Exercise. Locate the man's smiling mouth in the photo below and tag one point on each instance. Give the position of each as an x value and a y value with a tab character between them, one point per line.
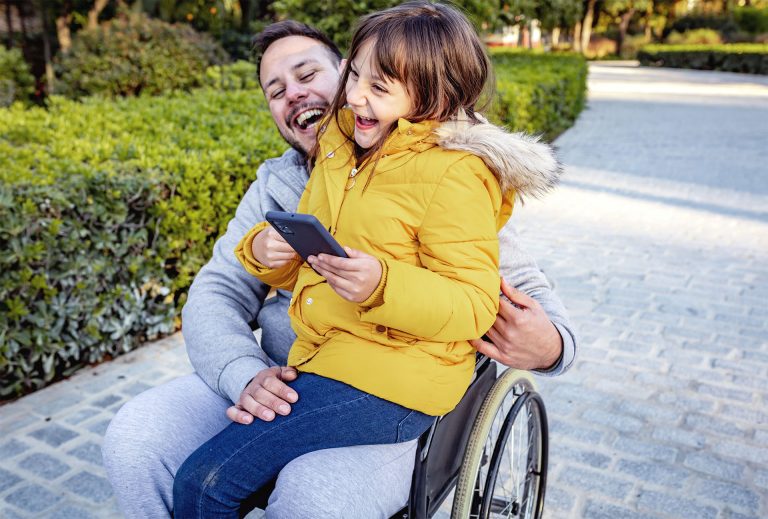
308	118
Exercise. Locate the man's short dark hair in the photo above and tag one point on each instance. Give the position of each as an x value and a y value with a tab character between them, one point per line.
285	28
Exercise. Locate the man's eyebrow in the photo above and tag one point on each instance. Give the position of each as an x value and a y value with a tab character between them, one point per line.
297	66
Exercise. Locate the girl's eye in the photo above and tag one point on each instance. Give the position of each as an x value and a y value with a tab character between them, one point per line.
380	89
352	74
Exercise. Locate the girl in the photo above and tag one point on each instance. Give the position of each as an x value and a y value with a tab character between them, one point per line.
409	177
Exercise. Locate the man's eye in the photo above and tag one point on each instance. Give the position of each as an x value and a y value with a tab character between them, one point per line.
308	76
277	94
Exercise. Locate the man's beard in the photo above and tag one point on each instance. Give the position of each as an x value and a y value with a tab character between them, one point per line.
294	143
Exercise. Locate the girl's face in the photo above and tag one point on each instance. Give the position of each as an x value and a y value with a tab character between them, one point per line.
376	101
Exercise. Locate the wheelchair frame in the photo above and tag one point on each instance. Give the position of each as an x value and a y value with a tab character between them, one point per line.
451	453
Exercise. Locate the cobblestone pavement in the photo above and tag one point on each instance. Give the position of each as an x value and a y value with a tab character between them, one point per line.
658	242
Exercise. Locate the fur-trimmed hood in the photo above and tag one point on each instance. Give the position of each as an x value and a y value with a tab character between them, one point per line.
519	161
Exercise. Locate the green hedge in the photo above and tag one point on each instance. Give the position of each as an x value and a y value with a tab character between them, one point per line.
538	93
746	57
109	208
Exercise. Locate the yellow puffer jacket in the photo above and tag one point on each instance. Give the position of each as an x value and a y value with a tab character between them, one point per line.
431	214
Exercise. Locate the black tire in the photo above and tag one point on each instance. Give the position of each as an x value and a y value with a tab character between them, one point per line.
511	429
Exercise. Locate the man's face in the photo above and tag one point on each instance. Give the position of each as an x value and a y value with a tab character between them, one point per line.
299	76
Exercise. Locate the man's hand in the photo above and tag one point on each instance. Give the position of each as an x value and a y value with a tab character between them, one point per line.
354	278
523	336
266	394
271	249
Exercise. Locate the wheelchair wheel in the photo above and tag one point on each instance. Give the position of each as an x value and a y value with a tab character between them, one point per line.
504	473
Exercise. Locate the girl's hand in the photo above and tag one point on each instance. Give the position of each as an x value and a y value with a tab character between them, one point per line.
271	250
354	278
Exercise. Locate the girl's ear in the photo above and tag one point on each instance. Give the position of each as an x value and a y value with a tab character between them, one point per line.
342	64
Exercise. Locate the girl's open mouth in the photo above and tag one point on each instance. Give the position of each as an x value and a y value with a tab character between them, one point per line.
364	123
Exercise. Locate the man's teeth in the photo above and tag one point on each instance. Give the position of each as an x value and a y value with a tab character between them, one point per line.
302	118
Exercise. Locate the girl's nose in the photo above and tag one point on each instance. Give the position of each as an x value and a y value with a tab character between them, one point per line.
354	96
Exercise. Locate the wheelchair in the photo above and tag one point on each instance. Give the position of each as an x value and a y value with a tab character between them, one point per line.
491	451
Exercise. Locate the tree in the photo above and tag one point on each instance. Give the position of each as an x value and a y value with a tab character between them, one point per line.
623	11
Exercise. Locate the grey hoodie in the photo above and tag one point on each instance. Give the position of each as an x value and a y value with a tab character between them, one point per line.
225	302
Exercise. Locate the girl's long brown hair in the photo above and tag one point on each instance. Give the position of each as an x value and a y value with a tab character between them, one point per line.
433	50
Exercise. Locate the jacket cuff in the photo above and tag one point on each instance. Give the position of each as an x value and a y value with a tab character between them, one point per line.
236	375
244	251
377	297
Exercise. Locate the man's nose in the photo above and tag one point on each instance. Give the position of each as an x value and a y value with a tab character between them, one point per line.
295	92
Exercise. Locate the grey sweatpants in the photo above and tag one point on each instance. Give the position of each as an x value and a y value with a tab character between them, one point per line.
152	435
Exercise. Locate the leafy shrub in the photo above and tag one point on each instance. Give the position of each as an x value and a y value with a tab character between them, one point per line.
235	76
107	210
723	24
632	44
538	93
136	54
600	47
751	19
16	83
695	37
748	58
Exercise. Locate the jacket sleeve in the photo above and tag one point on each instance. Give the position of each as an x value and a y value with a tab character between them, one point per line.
455	295
283	277
521	271
223	300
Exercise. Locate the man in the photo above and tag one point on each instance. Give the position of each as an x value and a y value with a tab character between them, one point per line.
239	379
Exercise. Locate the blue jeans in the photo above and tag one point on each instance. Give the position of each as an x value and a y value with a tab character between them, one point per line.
224	471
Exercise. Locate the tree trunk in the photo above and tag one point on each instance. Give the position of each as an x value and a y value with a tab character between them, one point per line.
623	26
555	37
62	32
586	27
93	14
648	16
22	15
577	37
49	76
9	23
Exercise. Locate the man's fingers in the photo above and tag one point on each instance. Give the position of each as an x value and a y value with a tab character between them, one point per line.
486	348
517	297
238	415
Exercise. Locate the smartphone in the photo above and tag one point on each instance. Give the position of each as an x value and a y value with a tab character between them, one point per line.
305	234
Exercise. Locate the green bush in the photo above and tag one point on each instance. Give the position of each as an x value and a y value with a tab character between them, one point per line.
235	76
747	58
753	20
695	37
107	210
136	55
723	24
538	93
16	83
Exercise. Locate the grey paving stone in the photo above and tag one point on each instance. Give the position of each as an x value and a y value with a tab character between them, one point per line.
656	473
81	415
709	464
89	486
107	401
135	388
747	414
557	499
595	481
705	423
741	451
7	480
44	465
650	411
13	423
575	432
685	402
88	451
761	477
32	498
645	449
733	494
565	451
59	404
674	506
53	434
99	427
725	392
8	513
601	510
70	512
618	422
11	448
672	434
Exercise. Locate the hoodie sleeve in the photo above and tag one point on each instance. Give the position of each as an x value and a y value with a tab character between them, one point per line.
223	300
521	271
454	295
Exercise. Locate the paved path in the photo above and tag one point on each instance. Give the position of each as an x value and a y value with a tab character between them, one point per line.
658	240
